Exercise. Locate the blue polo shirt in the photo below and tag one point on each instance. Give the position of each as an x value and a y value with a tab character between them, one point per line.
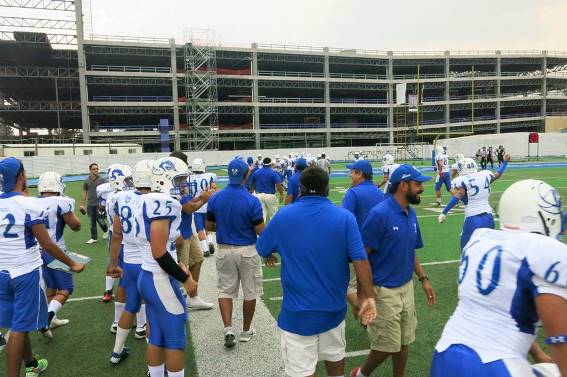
394	236
293	186
315	271
236	213
265	180
253	170
360	199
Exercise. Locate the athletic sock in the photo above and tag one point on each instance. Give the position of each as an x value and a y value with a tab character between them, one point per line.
210	238
120	340
50	316
204	246
109	283
32	363
141	317
157	371
181	373
54	306
118	309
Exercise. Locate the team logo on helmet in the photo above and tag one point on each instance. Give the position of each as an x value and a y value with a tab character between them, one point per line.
549	201
167	165
115	173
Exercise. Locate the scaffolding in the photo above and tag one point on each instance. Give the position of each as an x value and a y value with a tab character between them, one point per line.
201	91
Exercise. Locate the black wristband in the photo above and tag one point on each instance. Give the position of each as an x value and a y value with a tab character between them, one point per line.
423	278
167	264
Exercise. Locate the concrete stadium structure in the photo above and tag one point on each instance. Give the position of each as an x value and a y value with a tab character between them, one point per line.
268	96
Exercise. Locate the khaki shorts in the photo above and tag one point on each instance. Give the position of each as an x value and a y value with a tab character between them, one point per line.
301	353
238	265
396	322
270	205
190	253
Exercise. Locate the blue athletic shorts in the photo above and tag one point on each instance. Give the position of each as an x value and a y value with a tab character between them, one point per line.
445	180
199	221
472	223
130	279
55	279
166	311
462	361
23	304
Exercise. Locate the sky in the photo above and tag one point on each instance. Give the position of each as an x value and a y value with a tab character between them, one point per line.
366	24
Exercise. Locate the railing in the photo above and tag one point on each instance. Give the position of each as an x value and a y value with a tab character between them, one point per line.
122	38
290	100
129	127
291	125
357	76
291	74
127	68
359	125
132	98
355	101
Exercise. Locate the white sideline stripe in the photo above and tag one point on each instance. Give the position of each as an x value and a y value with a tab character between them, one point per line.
357	353
279	298
423	264
72	299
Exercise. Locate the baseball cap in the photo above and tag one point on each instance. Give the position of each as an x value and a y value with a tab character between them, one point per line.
9	169
406	173
250	160
237	168
301	163
363	165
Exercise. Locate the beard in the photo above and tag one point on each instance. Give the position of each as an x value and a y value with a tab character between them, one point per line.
413	198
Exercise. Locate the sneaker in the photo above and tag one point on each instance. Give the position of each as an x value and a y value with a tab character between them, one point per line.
116	358
107	296
246	336
114	327
56	322
197	303
35	371
211	248
140	333
207	254
46	332
229	339
91	241
354	372
437	204
105	236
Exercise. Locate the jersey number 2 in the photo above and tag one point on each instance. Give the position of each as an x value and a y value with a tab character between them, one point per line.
11	223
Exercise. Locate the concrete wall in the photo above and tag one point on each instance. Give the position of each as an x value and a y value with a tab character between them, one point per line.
77	150
556	124
551	144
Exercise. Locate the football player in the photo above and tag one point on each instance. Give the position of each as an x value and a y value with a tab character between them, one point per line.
388	167
510	279
123	205
102	193
444	178
473	189
158	220
454	170
201	181
60	213
119	179
22	290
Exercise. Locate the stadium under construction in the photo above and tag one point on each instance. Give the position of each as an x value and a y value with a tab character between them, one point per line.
196	95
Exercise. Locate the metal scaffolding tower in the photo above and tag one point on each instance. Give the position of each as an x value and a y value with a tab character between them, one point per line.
201	89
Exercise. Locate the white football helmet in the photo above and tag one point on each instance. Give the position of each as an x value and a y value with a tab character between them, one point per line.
169	176
198	164
439	151
466	166
142	175
120	177
51	181
534	206
388	159
459	157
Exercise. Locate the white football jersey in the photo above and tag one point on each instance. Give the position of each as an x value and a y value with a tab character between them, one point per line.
389	169
102	192
156	206
444	162
201	182
500	275
58	206
124	204
19	251
478	190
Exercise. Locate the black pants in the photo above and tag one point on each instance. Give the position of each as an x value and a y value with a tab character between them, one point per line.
483	163
500	160
489	159
94	218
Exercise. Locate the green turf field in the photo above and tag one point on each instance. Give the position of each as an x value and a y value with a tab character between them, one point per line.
83	347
